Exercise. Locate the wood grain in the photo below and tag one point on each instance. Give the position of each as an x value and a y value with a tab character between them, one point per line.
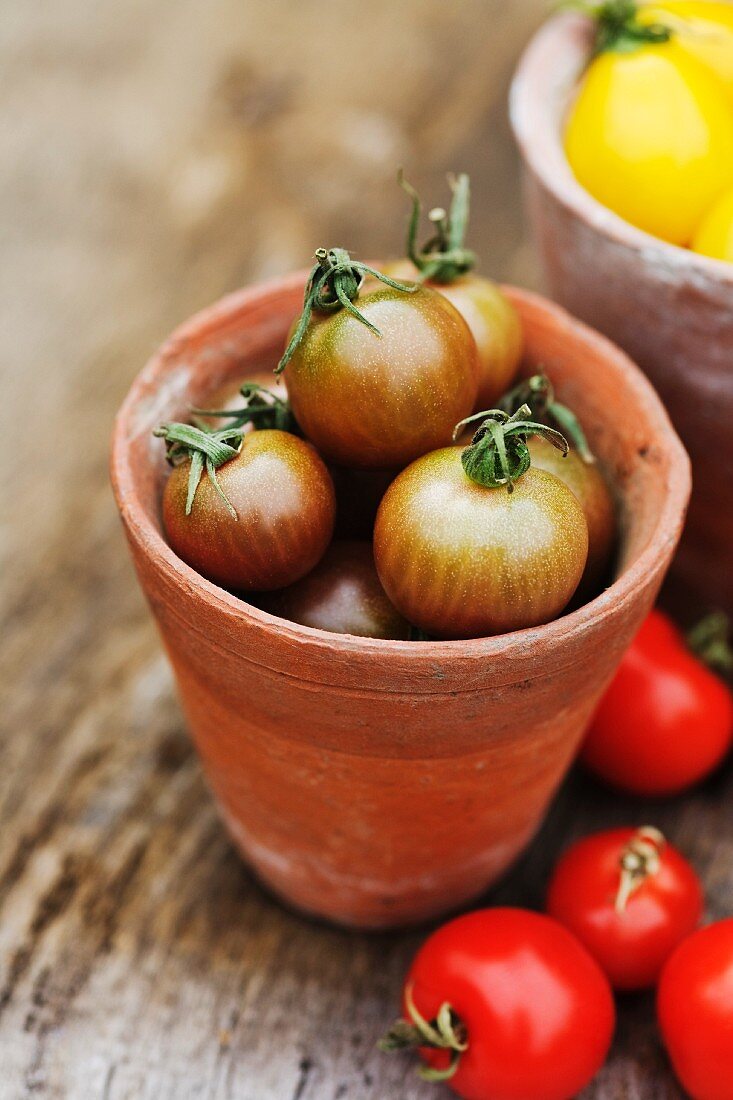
155	154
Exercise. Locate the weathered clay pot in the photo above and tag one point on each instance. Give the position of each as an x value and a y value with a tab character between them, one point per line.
669	308
378	783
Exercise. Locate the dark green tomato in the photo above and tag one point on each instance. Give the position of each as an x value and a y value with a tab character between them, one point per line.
463	561
285	504
342	594
378	402
589	485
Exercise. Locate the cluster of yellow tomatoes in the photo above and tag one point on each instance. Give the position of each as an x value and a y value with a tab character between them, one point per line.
650	133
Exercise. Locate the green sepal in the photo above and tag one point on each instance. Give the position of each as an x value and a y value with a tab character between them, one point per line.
262	409
334	283
537	392
618	28
444	257
206	450
498	454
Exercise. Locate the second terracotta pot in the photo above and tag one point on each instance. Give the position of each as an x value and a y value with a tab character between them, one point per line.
671	309
382	783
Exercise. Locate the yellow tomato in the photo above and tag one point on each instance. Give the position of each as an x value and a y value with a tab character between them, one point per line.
650	135
702	28
715	235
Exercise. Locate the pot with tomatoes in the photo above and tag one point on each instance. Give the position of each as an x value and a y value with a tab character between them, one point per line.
337	759
624	117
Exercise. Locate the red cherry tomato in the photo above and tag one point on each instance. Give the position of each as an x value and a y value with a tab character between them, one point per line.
695	1011
530	1006
665	722
630	898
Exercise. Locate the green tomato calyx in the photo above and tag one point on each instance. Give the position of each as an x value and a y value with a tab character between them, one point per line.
710	640
498	454
619	28
443	257
262	409
334	283
537	392
205	450
446	1032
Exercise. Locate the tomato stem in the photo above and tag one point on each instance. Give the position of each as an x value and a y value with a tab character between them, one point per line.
498	453
205	450
262	409
640	858
619	27
445	1032
334	283
710	641
443	257
539	394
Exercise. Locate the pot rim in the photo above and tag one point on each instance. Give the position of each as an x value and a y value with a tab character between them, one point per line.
561	48
558	632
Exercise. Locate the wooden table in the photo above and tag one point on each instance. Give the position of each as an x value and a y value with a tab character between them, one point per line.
154	155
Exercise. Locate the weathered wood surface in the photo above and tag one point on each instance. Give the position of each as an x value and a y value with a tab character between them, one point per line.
154	155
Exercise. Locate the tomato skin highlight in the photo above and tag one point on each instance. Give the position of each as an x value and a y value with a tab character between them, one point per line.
632	946
665	722
286	507
463	561
343	595
588	484
378	402
538	1010
494	322
695	1012
650	136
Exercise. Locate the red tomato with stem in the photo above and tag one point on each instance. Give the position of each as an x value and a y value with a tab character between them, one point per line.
695	1012
248	510
665	722
630	897
506	1004
376	379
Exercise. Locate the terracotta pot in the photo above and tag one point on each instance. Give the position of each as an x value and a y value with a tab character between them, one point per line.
669	308
378	783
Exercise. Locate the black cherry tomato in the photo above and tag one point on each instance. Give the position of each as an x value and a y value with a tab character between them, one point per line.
382	382
249	511
468	554
589	485
342	594
445	264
